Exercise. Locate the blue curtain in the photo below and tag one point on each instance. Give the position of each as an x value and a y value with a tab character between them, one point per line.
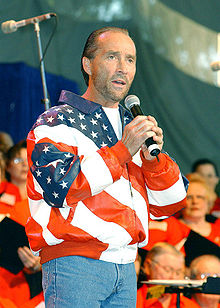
21	94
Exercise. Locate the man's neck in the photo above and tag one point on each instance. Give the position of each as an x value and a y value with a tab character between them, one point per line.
89	95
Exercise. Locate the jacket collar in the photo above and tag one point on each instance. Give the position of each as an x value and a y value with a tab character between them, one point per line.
86	106
76	101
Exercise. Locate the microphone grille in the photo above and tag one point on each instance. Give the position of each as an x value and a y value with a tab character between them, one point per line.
215	66
8	26
131	100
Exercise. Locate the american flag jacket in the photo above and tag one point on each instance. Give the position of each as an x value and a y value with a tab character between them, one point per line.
87	195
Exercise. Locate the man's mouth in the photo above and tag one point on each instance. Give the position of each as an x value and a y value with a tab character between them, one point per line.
119	82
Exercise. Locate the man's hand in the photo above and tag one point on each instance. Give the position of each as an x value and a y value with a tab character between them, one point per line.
31	262
137	131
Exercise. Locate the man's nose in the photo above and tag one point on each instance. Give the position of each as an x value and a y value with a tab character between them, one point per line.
171	275
122	66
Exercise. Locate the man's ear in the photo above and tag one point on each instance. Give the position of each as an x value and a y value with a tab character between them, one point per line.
86	65
146	267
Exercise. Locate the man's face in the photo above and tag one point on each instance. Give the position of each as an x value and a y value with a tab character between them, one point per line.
113	68
208	172
166	266
205	268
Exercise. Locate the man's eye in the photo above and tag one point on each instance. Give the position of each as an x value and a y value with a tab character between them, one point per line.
130	60
111	57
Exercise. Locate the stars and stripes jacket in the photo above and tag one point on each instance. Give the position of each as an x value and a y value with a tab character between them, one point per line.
87	195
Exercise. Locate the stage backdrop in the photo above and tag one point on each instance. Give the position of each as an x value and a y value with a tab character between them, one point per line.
176	41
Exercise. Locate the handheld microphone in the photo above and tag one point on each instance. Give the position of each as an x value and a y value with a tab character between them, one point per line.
12	26
215	66
132	102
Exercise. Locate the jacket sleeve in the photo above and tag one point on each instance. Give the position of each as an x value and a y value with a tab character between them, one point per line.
61	175
165	186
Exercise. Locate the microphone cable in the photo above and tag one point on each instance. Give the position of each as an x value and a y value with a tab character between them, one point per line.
50	38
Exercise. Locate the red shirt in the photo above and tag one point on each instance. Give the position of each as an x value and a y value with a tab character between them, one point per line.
163	231
142	302
9	195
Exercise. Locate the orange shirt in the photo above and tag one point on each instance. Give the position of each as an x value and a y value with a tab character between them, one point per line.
6	303
199	305
9	195
214	236
13	287
34	302
216	207
163	231
20	212
11	203
142	302
184	302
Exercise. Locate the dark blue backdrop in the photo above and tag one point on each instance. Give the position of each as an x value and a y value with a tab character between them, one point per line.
20	97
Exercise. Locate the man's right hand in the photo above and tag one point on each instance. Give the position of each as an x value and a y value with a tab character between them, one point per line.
138	130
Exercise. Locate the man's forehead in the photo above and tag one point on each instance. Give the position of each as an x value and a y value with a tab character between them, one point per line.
116	40
166	257
110	33
115	35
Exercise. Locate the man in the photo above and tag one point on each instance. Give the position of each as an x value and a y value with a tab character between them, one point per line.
201	268
163	262
90	181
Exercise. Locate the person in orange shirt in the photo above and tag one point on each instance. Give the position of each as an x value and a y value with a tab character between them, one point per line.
209	171
197	206
13	190
14	204
9	193
163	262
201	268
17	167
163	231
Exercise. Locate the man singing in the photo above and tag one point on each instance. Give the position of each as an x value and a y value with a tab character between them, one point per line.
92	183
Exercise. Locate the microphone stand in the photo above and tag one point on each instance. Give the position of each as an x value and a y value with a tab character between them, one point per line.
45	100
211	286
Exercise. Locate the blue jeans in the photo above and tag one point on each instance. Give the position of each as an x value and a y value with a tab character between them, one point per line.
79	282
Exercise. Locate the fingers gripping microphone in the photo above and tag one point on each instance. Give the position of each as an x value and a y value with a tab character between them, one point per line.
12	26
132	102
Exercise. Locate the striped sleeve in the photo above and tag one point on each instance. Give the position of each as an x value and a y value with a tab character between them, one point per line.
165	186
61	174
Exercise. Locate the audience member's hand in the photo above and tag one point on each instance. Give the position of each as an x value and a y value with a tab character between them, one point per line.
31	262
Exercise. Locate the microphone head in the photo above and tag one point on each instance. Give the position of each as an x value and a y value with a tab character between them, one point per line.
215	66
131	100
9	26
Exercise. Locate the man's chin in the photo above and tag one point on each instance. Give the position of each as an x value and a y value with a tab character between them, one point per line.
117	97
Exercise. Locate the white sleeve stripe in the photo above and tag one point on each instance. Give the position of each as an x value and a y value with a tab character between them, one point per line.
173	194
90	223
96	172
49	238
157	218
59	133
93	166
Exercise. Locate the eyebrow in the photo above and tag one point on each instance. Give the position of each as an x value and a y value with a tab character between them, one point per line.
116	53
